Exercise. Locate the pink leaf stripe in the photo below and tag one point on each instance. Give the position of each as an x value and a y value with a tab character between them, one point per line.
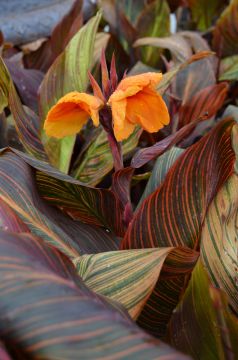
51	314
173	214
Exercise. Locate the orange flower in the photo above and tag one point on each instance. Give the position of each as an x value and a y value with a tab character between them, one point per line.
135	101
70	113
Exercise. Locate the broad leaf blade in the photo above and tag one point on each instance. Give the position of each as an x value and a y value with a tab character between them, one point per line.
160	169
219	236
205	102
202	324
26	121
176	44
229	68
18	190
131	276
153	21
92	205
174	213
68	73
4	85
9	221
97	160
71	319
203	14
225	35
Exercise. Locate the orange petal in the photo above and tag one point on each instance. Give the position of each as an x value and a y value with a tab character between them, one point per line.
121	126
131	85
70	113
141	80
148	109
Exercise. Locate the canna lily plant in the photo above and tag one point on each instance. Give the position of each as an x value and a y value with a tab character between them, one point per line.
118	107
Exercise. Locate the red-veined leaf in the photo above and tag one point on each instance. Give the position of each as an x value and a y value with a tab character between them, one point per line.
219	236
91	205
27	82
26	121
47	312
160	169
144	155
131	276
207	101
173	215
225	35
187	82
169	76
10	221
202	324
18	189
97	160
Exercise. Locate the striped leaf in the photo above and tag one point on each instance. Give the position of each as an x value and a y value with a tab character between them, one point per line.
4	85
153	21
199	57
67	73
229	68
97	160
130	276
46	311
188	83
176	44
207	101
219	237
160	169
9	221
202	14
173	214
202	324
18	190
144	155
225	34
26	121
91	205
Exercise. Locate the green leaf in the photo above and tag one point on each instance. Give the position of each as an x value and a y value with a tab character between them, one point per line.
4	85
229	68
225	34
154	21
68	73
202	325
18	190
219	237
97	160
130	277
202	14
47	312
160	169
